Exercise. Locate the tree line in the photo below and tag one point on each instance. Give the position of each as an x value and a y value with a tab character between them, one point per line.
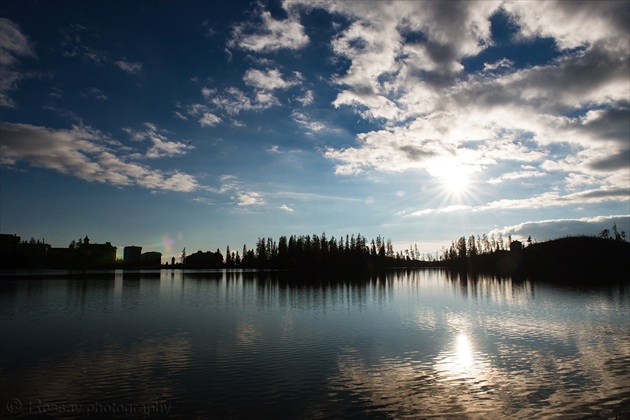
356	252
311	252
351	251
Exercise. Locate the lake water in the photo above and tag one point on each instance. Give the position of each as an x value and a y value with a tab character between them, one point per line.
232	344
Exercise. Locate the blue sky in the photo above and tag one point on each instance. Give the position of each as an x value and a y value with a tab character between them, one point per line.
203	124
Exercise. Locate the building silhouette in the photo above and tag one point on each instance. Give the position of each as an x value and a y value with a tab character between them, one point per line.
98	254
132	255
38	254
151	259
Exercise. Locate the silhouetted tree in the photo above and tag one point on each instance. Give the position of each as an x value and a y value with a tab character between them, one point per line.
616	232
228	257
486	243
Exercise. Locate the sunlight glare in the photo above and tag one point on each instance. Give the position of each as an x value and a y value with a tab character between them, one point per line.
455	181
460	360
454	176
464	351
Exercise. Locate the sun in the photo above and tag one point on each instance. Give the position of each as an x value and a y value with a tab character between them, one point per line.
455	181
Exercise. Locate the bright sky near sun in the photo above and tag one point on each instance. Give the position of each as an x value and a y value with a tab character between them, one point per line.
202	124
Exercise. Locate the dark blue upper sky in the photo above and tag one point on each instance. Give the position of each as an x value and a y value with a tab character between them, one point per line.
203	124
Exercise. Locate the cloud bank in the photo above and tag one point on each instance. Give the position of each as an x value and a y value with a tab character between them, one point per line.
90	155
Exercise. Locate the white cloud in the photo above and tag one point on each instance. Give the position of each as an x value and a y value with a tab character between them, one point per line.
228	183
208	120
269	79
437	116
196	109
180	115
203	200
231	186
286	208
234	101
311	125
510	176
502	64
543	230
447	209
250	199
84	153
161	145
556	199
405	148
306	99
269	34
545	200
129	66
208	92
14	45
265	82
607	21
309	197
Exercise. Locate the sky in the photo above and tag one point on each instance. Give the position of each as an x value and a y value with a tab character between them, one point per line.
172	124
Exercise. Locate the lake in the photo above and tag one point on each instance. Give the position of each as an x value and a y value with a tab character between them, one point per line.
220	344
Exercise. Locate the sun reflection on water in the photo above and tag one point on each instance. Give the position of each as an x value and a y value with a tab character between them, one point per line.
460	362
464	352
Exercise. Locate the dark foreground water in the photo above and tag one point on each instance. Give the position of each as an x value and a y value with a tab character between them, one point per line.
407	344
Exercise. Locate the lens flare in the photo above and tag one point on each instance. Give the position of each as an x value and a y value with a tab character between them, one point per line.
168	244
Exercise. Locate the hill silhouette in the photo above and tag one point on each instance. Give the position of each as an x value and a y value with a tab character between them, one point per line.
570	259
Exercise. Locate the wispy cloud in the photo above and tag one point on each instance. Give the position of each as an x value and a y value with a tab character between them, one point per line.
129	66
311	125
161	146
179	115
302	196
528	173
74	45
286	208
233	101
87	154
237	192
205	117
98	94
447	209
544	200
306	99
14	46
555	199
